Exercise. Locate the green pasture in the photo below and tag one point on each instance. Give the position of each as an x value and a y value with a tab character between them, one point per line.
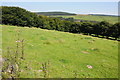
110	19
68	55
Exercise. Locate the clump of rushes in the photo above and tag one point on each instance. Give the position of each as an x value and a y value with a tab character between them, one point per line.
13	59
22	49
45	69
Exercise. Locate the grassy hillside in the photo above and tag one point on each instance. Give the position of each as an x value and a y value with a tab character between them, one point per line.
68	55
110	19
54	13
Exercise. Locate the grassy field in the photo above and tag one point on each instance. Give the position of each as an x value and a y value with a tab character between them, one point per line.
110	19
68	55
0	49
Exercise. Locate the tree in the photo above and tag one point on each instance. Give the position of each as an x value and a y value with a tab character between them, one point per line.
115	30
87	28
105	26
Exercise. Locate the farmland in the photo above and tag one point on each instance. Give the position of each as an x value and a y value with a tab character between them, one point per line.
68	55
110	19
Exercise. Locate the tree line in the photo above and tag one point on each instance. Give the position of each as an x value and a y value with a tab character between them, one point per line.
21	17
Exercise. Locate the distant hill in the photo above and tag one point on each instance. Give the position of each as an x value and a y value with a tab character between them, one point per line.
54	13
103	15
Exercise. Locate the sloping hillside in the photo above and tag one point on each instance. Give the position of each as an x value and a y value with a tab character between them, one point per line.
54	13
64	54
